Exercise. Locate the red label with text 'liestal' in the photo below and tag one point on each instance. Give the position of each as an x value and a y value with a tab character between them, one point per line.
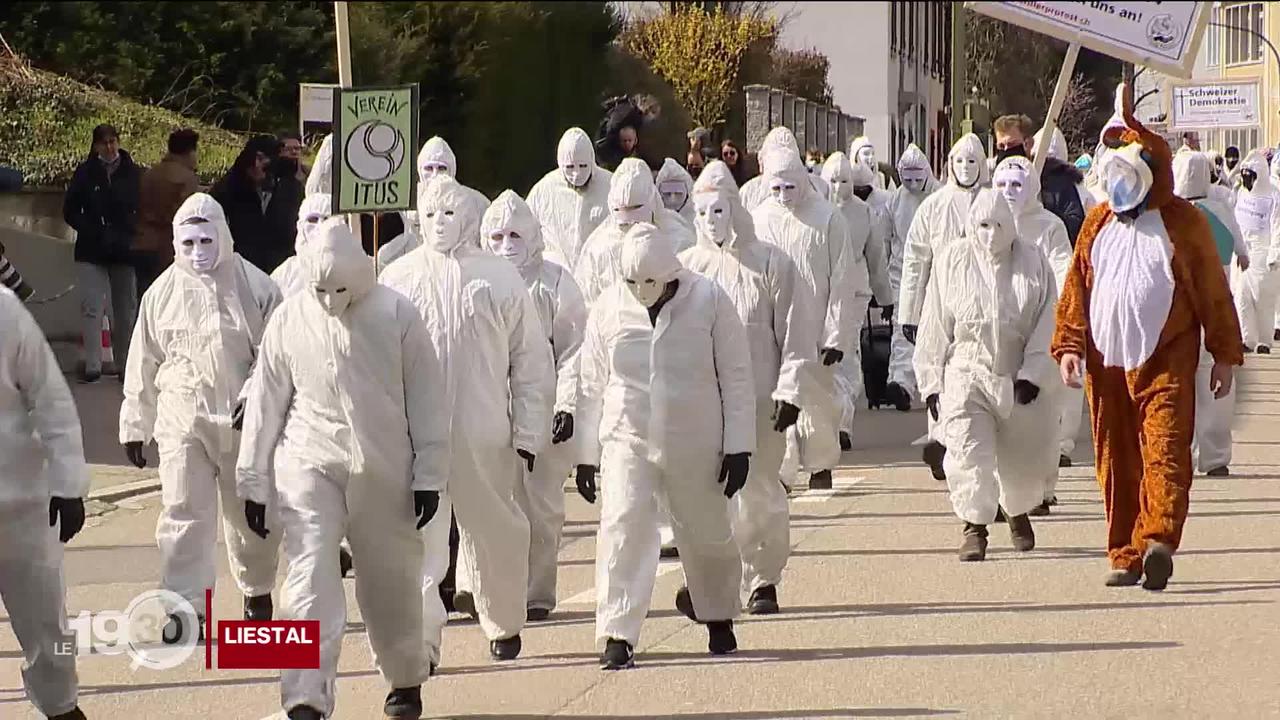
268	645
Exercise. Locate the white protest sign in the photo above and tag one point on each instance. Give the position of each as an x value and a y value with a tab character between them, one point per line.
1161	35
1216	104
315	103
1253	213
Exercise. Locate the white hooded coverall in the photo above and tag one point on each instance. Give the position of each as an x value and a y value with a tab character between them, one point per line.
918	183
939	222
599	262
672	179
661	405
402	244
755	191
988	321
1191	181
1258	215
812	232
435	152
289	276
571	201
41	456
350	410
501	376
193	349
320	179
563	317
777	311
1016	178
863	152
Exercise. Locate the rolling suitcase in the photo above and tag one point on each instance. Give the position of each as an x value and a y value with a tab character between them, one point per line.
876	341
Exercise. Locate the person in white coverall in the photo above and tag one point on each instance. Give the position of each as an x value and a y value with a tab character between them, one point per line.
320	179
1016	180
918	183
863	152
866	259
403	244
346	432
43	480
633	198
667	403
812	232
755	191
982	359
1257	213
675	185
193	348
939	222
289	276
436	159
571	201
501	374
511	231
777	311
1191	181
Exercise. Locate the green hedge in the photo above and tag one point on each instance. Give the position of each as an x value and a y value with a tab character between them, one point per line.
47	121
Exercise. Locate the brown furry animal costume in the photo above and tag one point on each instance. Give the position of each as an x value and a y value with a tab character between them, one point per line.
1144	416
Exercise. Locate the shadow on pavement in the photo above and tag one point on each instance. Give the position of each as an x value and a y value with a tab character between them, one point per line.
728	715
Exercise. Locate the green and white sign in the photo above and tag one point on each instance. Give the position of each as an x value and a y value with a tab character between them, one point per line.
374	132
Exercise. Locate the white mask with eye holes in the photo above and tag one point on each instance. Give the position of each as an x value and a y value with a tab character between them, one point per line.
197	245
674	194
576	175
1011	182
442	229
432	169
628	216
966	170
867	156
307	226
332	298
841	190
712	218
646	291
785	192
511	245
913	179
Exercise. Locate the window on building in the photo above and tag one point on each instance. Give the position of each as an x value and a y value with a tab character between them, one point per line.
1246	139
1243	32
945	72
911	31
1213	40
893	26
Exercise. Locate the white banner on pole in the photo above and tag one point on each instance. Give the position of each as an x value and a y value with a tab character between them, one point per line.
315	103
1215	104
1161	35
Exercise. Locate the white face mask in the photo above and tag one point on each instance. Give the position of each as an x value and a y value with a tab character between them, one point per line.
307	226
674	195
712	220
198	246
628	216
444	231
841	190
647	292
433	169
867	156
913	179
333	299
510	245
576	175
784	192
966	170
1011	181
992	239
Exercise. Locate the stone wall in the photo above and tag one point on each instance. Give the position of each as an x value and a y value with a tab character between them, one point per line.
819	126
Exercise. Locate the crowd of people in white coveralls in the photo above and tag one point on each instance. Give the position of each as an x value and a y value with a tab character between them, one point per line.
680	347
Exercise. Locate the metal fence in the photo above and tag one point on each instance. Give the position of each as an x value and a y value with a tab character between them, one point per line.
815	126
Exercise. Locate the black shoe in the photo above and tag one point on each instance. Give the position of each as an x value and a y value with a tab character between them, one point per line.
1157	566
617	655
1021	532
1051	502
505	649
73	714
174	631
932	455
1264	350
974	547
304	712
898	397
446	599
1276	336
404	703
465	603
1064	461
344	562
820	480
1220	471
668	553
846	442
1000	516
1246	349
258	607
90	378
763	601
536	614
1040	510
720	638
684	603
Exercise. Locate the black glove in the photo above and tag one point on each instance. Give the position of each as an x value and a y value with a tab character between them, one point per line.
425	504
909	332
237	417
586	481
255	515
133	449
733	472
831	356
931	402
784	415
1025	392
561	427
71	512
886	313
528	458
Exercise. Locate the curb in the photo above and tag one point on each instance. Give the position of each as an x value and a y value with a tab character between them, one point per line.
116	493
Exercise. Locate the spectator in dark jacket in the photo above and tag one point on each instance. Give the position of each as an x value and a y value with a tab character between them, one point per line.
101	205
1058	179
164	187
261	196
